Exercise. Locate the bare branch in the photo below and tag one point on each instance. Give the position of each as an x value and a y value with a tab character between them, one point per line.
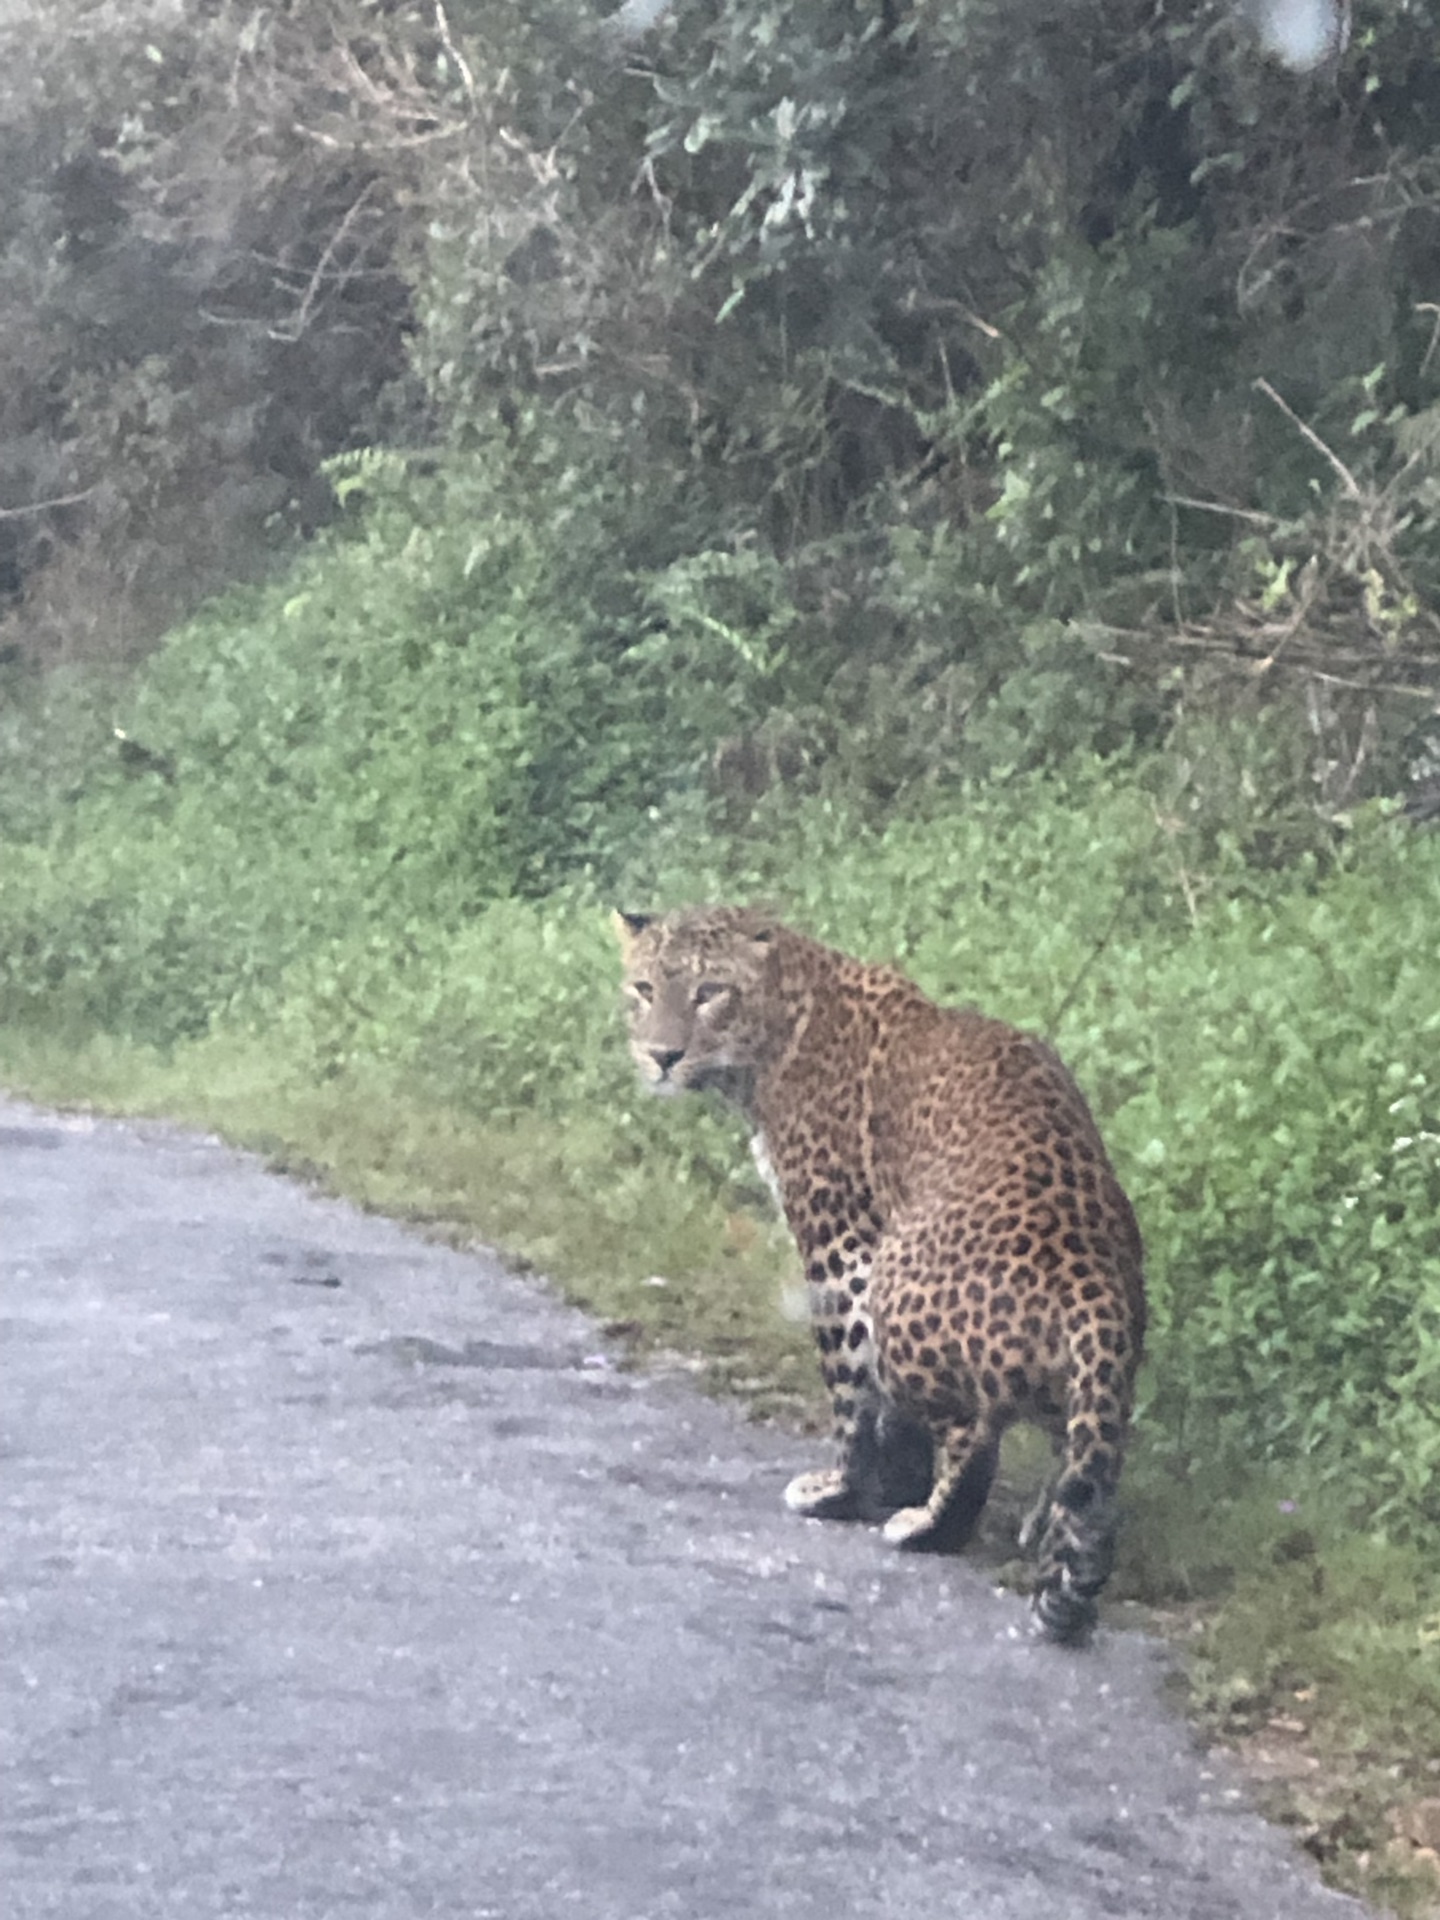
301	320
1429	306
462	66
937	303
44	506
1351	484
1366	686
1218	506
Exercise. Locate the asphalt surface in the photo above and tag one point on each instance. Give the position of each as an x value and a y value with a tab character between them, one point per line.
347	1575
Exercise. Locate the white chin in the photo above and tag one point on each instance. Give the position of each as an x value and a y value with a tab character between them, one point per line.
664	1089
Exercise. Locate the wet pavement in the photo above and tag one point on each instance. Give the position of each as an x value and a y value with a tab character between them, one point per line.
346	1575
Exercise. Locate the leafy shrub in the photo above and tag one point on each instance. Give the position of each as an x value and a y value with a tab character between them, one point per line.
1115	380
201	254
1286	1119
376	747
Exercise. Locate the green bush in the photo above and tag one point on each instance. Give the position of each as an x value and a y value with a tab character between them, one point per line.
377	746
1287	1127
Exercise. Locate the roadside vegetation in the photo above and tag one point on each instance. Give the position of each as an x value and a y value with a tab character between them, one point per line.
1035	584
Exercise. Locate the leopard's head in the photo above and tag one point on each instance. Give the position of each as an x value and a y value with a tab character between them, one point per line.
700	988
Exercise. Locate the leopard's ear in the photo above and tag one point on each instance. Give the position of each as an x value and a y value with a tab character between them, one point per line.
628	928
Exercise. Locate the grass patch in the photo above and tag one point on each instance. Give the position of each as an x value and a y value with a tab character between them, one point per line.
1309	1648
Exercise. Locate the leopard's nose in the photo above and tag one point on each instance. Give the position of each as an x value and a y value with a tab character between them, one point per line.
666	1057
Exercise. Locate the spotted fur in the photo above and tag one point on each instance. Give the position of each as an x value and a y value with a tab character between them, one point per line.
971	1258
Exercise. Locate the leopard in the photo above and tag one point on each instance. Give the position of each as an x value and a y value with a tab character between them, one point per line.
971	1260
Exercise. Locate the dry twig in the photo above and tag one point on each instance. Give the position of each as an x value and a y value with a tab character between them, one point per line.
44	506
447	40
1348	480
301	320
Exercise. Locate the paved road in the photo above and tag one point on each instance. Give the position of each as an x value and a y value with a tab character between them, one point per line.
343	1577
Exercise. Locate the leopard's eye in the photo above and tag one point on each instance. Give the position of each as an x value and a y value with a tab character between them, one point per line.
709	990
642	990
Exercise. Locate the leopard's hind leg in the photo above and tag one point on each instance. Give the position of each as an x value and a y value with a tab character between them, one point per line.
907	1460
966	1455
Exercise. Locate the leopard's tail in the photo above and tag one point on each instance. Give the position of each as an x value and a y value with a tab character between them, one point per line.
1076	1557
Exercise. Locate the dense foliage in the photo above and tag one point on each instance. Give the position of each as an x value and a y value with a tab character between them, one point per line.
982	323
985	379
200	297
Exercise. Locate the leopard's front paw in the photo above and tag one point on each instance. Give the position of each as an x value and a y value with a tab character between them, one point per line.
823	1496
